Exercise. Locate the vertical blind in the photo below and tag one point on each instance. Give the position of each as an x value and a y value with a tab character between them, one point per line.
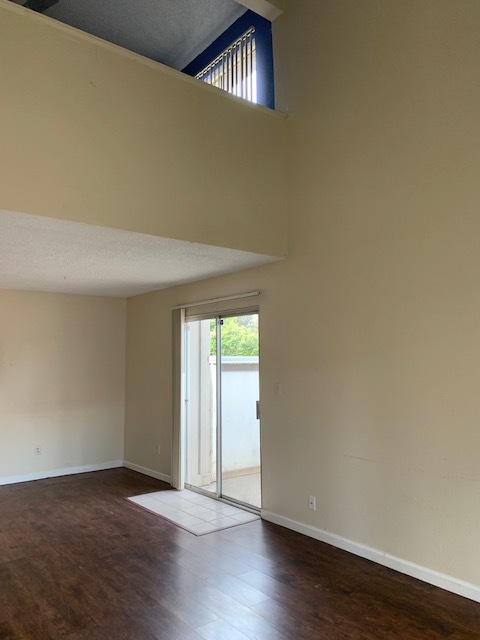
235	69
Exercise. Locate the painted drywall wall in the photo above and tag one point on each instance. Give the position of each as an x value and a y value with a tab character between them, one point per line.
148	405
371	325
103	136
62	382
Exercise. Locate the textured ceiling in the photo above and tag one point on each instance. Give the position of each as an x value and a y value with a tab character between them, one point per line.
45	254
173	32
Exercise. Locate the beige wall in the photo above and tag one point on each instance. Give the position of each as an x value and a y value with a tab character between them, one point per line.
372	324
148	407
62	381
103	136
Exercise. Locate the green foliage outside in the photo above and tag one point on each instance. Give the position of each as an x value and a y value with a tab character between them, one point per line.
239	336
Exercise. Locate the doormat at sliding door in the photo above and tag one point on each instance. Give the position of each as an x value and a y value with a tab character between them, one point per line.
192	511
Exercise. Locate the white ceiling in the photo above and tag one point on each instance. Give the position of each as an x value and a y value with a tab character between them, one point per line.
45	254
173	32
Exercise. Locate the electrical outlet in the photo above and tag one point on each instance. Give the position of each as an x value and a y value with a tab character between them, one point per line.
37	450
159	450
312	503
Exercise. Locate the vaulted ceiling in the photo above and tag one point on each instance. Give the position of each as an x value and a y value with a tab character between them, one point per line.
173	32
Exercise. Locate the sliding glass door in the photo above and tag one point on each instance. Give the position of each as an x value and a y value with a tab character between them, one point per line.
221	419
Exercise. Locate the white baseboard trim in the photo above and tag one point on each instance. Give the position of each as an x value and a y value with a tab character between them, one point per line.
147	472
459	587
66	471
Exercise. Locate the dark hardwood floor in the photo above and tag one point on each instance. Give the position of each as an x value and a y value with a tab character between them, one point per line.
79	562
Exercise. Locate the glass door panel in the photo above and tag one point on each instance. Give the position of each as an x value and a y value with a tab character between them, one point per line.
200	406
239	419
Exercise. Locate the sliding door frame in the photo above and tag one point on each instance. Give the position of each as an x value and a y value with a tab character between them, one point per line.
217	316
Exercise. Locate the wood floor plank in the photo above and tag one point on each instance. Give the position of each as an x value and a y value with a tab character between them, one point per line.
239	616
78	562
166	626
221	630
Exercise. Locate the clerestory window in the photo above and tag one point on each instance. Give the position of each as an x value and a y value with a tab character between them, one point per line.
235	69
240	61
